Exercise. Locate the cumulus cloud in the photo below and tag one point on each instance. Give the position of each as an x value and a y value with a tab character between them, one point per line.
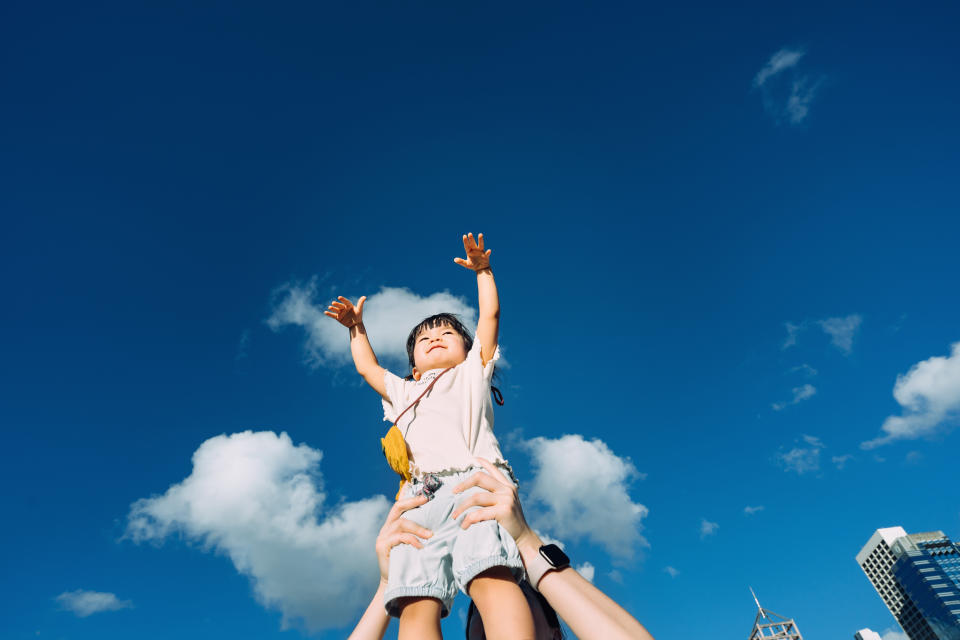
800	394
86	603
673	573
587	570
929	395
707	528
580	490
802	459
752	510
786	96
259	500
388	315
842	331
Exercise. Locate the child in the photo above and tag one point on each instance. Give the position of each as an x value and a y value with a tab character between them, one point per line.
450	425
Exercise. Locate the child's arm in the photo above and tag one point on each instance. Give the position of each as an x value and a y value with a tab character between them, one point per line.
364	358
488	326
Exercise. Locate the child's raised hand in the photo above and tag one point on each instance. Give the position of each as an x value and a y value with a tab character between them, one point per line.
343	311
477	258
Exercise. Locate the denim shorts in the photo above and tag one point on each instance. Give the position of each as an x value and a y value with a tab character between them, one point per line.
452	557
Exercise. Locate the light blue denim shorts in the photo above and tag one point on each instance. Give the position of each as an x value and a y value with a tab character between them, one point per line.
452	557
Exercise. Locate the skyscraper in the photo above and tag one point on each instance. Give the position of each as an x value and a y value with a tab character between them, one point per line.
866	634
918	577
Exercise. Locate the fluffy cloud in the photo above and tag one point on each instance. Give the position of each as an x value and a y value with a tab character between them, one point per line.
842	331
802	459
752	510
707	528
388	316
583	487
800	394
894	634
259	500
86	603
929	394
673	573
587	570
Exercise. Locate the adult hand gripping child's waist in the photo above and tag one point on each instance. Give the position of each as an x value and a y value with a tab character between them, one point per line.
589	613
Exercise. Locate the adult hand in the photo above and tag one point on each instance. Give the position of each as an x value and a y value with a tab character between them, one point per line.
499	502
343	311
398	530
477	258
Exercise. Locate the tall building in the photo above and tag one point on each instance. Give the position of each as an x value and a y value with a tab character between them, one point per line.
771	626
866	634
918	577
928	569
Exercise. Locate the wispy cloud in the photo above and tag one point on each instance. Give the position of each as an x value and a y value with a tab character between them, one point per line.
752	510
581	490
258	499
842	331
805	370
778	62
929	396
388	314
707	528
85	603
800	394
840	461
673	573
893	634
787	94
802	459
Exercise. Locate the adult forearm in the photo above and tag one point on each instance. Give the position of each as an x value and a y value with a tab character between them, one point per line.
374	622
589	612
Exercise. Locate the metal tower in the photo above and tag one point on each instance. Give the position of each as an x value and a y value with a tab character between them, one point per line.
771	626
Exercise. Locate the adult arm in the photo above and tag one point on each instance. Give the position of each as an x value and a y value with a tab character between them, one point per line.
396	530
364	359
488	324
589	612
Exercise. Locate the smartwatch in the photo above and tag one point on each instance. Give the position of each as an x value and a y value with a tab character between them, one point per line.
551	558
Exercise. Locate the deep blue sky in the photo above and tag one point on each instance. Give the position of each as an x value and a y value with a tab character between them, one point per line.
656	220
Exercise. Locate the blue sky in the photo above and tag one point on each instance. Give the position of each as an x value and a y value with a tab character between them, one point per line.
724	238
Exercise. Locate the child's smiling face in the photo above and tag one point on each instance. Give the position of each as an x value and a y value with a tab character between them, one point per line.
437	348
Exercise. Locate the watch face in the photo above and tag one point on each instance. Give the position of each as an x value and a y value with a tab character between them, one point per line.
555	556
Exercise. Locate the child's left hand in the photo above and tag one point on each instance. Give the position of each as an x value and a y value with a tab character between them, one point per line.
477	258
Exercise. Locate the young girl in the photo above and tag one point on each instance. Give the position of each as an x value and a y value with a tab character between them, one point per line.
446	417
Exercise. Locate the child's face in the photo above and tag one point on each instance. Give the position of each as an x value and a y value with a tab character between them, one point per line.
437	348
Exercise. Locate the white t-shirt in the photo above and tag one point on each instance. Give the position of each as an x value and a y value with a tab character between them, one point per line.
454	422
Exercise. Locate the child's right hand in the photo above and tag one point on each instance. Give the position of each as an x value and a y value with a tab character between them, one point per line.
345	313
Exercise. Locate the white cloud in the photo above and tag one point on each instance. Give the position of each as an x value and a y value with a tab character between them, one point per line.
259	500
793	330
707	528
913	457
388	315
752	510
893	634
842	331
671	571
802	459
840	461
86	603
929	394
780	61
805	370
583	486
801	95
587	570
800	394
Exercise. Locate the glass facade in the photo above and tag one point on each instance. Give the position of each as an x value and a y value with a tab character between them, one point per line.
928	569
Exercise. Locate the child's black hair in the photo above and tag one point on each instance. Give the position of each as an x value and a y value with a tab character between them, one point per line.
438	320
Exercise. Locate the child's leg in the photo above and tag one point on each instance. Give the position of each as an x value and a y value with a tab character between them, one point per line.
420	618
502	606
